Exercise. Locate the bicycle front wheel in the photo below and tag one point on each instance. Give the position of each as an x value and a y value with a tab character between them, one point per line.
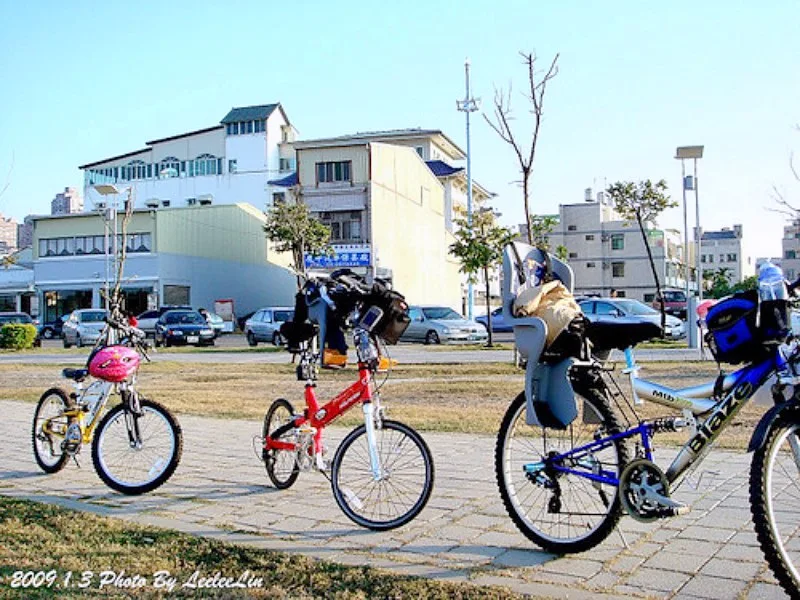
49	429
561	511
396	494
774	493
136	466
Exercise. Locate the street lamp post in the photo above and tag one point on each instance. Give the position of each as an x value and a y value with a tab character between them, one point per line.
683	153
468	105
111	207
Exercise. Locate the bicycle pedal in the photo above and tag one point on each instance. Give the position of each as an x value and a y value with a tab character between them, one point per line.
673	511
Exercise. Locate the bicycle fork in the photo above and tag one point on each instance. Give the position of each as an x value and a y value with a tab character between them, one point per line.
369	423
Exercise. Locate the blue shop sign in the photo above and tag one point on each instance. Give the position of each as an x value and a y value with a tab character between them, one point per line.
340	258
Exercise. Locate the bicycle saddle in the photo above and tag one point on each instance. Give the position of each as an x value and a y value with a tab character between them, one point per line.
297	333
620	334
75	374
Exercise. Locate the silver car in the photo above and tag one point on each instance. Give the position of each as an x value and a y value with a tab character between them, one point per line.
83	327
265	324
440	324
610	309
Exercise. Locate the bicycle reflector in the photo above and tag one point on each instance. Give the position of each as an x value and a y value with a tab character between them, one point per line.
114	363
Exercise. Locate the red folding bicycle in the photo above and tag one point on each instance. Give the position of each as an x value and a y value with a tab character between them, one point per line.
382	473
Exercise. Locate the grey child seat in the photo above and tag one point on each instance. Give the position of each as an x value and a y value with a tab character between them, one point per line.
548	391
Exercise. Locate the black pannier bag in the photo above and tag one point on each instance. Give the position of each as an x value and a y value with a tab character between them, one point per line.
736	332
395	319
570	343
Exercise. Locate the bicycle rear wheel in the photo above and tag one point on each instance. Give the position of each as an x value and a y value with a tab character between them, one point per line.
403	487
281	465
135	467
47	441
774	494
561	512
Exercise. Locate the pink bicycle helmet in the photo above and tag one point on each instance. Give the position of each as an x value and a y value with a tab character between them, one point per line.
114	363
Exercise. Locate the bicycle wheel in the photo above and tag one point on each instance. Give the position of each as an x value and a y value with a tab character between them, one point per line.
133	468
47	444
561	512
281	465
774	494
405	483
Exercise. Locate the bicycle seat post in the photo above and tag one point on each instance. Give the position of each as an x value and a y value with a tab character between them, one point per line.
632	369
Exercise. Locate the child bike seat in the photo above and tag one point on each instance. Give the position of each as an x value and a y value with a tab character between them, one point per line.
297	333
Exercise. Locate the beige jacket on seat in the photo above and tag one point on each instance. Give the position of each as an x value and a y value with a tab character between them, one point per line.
551	302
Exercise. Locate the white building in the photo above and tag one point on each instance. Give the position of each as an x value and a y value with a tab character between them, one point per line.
67	202
227	163
724	250
608	253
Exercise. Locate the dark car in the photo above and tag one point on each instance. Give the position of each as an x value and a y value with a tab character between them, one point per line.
674	303
498	324
147	320
183	327
53	329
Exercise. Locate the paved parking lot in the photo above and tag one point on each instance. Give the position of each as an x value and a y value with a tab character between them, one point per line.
220	490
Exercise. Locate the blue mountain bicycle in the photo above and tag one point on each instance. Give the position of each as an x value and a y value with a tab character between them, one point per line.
568	469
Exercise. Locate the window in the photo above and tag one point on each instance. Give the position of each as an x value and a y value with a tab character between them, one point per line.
618	269
170	167
279	198
702	258
790	254
249	126
258	126
136	169
573	255
138	242
790	274
710	258
205	164
648	298
165	203
345	226
329	172
605	308
722	258
731	258
420	151
231	165
590	265
286	164
572	228
590	238
618	241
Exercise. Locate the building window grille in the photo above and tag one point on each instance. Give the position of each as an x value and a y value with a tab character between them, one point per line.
589	238
572	227
573	255
618	269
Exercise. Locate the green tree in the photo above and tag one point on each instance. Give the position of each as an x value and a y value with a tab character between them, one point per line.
643	202
542	227
746	284
479	246
720	281
291	228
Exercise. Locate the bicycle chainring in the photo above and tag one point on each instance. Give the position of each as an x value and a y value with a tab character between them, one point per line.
641	480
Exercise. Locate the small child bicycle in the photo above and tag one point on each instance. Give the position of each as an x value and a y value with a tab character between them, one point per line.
382	473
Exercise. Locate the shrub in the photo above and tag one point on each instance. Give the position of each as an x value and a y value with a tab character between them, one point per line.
17	336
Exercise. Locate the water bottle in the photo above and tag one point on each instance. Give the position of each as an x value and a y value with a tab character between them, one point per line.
771	285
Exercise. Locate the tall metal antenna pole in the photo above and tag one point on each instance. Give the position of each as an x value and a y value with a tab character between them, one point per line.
468	105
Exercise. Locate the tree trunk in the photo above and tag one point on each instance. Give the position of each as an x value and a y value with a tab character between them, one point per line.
528	219
488	306
659	295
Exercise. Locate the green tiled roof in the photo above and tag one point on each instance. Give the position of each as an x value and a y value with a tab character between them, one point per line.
249	113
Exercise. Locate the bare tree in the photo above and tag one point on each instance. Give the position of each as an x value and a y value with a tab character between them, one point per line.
501	123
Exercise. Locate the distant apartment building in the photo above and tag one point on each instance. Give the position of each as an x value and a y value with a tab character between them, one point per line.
67	202
389	198
790	246
8	235
608	253
227	163
25	233
724	250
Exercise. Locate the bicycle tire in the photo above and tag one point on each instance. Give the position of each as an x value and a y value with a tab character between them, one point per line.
551	524
111	444
281	465
57	458
347	480
774	489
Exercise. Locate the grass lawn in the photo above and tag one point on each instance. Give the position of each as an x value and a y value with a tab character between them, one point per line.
40	537
470	398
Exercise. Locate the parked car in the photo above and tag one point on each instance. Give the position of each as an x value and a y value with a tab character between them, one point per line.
83	327
613	309
674	303
440	324
264	325
183	327
147	320
214	321
52	329
498	324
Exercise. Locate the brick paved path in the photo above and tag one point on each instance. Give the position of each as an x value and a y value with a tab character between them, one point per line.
221	490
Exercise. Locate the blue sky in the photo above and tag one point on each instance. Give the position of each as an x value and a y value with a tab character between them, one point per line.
86	80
